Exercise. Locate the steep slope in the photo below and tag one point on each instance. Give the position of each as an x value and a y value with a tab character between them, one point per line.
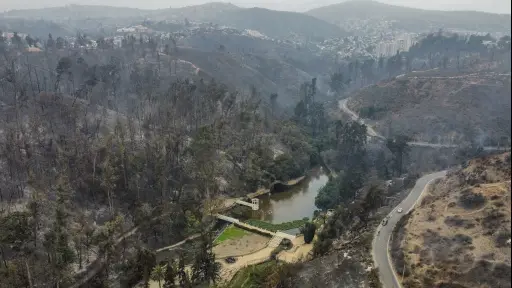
444	109
78	12
242	75
278	23
275	24
272	23
412	19
459	236
195	12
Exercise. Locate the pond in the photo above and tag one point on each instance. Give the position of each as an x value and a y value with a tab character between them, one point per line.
293	204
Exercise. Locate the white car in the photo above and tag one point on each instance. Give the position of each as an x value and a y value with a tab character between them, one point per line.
399	210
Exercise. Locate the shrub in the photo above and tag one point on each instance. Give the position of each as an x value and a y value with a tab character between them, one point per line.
287	243
501	238
456	221
492	219
322	246
470	200
462	239
309	232
373	278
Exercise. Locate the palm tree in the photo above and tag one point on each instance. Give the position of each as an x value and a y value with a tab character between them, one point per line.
158	274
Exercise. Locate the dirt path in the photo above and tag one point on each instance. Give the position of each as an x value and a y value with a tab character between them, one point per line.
178	244
227	271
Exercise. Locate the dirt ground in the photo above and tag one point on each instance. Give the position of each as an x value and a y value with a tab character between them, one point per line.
227	271
459	232
234	247
299	252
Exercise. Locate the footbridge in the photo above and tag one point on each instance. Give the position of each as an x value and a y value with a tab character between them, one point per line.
276	235
255	203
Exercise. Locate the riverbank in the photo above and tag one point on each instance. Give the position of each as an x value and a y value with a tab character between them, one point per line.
288	184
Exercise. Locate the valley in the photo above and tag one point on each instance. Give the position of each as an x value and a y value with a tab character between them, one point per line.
222	146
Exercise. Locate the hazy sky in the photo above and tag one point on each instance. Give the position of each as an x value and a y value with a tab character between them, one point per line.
495	6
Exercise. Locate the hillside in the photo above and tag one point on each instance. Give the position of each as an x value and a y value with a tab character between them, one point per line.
411	19
251	72
279	23
78	12
459	236
439	109
275	24
195	12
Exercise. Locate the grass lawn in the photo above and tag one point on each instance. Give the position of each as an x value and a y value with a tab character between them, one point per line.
232	232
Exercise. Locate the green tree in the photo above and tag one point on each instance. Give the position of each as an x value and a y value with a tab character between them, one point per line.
322	246
50	43
16	40
158	274
351	146
170	275
58	238
308	230
15	235
60	43
30	41
373	199
204	267
183	278
400	148
381	165
338	82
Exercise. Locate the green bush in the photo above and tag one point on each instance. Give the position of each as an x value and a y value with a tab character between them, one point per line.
309	232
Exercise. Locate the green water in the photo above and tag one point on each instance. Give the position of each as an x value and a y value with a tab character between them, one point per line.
294	204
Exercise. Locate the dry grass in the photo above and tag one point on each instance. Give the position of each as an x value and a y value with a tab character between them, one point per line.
440	110
448	240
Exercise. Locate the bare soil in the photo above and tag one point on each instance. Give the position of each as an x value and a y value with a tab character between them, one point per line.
458	235
235	247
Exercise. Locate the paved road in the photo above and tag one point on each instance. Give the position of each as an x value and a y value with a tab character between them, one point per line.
380	254
371	132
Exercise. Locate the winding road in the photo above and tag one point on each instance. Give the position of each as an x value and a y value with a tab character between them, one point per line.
380	243
381	239
371	132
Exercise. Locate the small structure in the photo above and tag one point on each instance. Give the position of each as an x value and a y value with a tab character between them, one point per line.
255	203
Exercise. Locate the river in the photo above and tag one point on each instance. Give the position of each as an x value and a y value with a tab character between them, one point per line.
293	204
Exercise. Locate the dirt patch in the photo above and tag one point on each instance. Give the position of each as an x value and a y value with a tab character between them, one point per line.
459	235
249	243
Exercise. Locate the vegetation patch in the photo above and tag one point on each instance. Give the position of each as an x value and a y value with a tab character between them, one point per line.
470	200
231	232
501	238
457	221
268	274
277	227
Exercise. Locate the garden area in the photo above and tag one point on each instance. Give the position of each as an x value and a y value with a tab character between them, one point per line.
231	232
277	227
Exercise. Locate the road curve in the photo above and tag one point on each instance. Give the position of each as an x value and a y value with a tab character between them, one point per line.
371	132
380	243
